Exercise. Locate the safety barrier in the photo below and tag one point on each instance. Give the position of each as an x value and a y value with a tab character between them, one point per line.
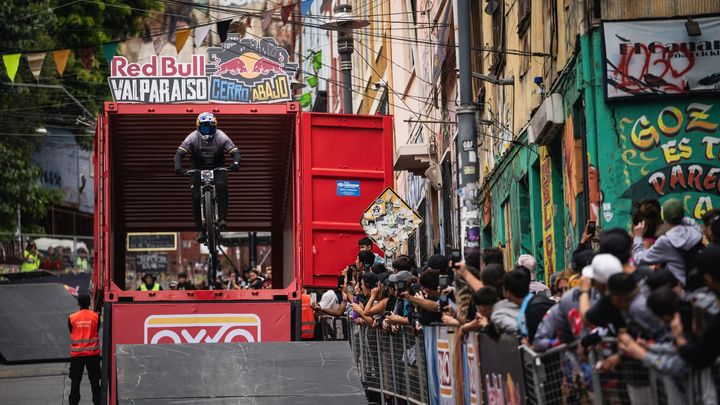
435	366
392	365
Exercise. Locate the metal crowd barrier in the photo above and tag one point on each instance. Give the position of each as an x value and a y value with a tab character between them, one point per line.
391	364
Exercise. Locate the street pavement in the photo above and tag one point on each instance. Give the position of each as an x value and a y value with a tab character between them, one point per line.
41	383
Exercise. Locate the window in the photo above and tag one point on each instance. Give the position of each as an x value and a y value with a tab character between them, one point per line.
525	58
498	33
524	7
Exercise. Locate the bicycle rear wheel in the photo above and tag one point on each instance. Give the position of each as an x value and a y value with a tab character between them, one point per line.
209	208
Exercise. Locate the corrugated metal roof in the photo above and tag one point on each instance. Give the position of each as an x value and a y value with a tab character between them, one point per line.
148	196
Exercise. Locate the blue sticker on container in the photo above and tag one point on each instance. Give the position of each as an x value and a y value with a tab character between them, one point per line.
347	188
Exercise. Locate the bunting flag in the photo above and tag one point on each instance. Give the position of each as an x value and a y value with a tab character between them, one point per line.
109	51
326	6
222	29
242	27
305	6
35	60
267	19
158	43
200	34
11	62
285	12
181	37
86	56
61	57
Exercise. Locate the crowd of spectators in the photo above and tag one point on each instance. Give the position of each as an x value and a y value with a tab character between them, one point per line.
652	290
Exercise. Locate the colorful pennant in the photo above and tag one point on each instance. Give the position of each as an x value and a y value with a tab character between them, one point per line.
35	60
305	6
11	62
248	22
109	51
181	37
200	34
61	57
267	19
159	42
86	56
285	12
222	29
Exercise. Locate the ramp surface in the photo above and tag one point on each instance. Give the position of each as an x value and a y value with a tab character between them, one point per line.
33	322
229	373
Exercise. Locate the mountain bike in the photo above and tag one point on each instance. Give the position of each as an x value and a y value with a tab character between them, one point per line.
208	209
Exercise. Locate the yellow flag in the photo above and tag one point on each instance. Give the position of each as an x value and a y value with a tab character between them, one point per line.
61	57
181	37
11	62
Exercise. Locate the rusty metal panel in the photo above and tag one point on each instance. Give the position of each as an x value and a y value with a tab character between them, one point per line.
148	196
625	10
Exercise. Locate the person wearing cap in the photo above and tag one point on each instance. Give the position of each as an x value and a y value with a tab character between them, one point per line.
149	283
529	262
595	276
683	235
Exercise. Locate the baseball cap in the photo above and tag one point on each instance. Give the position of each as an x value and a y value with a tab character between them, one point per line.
603	266
673	211
383	277
527	261
402	275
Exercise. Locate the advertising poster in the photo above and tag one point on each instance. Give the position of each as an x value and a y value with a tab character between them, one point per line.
501	370
659	57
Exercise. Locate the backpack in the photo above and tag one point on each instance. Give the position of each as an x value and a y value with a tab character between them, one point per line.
535	311
693	278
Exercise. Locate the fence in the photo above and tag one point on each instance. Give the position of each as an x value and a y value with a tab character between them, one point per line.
434	366
57	252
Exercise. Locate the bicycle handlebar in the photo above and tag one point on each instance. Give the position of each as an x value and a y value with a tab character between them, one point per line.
191	171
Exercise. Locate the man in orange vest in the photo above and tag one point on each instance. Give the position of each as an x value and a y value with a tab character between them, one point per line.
308	317
84	350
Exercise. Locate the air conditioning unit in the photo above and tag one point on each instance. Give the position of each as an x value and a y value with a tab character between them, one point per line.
547	121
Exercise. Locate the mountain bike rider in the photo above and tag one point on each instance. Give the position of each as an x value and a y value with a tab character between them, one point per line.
207	146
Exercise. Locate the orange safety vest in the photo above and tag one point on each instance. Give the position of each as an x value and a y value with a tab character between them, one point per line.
308	318
84	335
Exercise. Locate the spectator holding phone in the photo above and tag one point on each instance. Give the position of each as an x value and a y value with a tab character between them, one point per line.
426	300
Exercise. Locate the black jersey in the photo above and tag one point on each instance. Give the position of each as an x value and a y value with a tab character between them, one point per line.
208	155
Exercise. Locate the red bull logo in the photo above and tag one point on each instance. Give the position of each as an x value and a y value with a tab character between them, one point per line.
234	66
201	328
265	66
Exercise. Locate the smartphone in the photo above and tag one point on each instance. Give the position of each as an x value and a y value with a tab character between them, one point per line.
591	228
455	256
313	299
443	282
400	287
443	301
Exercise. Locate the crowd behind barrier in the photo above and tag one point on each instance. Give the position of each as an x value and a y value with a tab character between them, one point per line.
433	366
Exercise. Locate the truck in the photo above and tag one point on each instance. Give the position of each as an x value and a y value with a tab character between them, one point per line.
305	178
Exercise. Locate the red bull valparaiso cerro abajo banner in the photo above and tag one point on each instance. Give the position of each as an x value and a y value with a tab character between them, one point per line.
240	71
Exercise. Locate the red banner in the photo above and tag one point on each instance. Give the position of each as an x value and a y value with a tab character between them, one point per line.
200	323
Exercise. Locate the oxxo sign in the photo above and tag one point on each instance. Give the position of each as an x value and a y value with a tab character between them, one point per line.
240	71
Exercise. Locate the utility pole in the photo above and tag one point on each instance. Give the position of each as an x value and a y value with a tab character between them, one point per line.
344	22
466	141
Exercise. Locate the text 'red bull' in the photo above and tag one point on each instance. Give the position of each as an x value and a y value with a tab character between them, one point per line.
163	66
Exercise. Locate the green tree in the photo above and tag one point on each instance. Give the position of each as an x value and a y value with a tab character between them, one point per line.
44	25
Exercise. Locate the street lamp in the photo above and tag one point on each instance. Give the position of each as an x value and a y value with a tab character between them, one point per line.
344	22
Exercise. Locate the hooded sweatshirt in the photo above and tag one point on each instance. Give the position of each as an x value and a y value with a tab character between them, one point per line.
667	248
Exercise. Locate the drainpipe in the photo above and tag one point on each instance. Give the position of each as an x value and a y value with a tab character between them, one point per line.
588	88
466	140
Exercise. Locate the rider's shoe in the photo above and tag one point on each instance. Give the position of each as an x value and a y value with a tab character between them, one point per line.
201	236
222	225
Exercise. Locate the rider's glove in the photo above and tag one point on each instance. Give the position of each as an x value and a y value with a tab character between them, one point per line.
179	171
234	167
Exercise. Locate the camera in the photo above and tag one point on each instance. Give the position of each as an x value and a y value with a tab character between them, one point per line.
400	287
591	228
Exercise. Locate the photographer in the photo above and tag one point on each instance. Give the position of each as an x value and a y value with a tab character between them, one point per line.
426	299
399	313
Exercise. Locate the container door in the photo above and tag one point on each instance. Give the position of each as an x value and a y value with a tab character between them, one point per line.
345	162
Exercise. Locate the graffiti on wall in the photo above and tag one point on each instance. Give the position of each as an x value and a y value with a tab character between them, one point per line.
672	150
548	229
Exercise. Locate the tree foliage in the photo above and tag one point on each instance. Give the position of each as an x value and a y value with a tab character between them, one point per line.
44	25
